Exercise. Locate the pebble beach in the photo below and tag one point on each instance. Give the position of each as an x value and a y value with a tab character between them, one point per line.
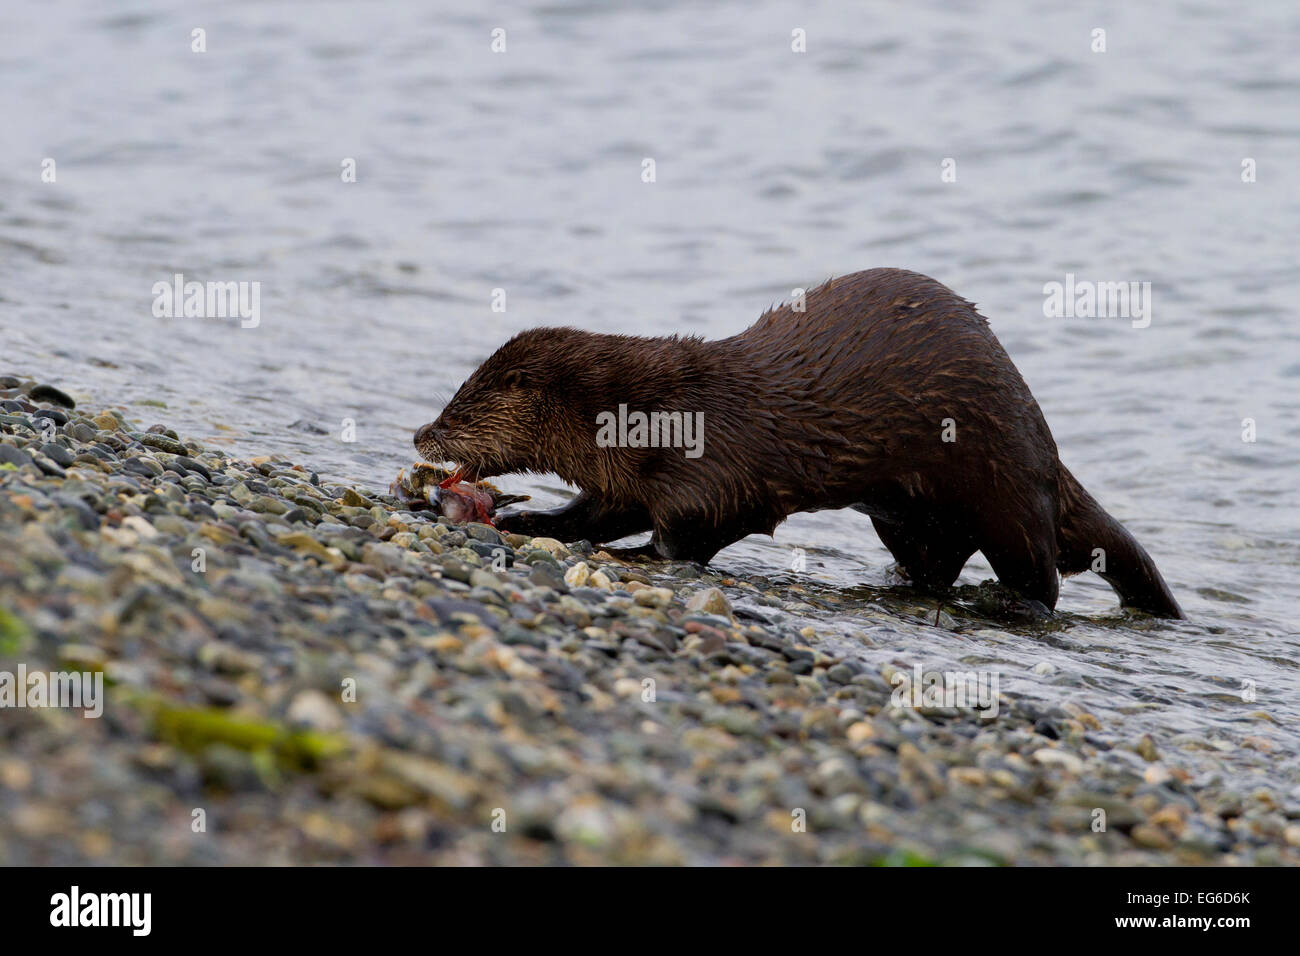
301	671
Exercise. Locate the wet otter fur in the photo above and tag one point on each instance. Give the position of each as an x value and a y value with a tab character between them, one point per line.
843	405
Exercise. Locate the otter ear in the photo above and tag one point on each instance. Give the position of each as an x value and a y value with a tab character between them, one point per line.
513	378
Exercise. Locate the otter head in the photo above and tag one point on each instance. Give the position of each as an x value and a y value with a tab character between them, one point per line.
499	420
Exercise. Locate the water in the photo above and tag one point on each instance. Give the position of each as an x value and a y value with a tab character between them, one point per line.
521	171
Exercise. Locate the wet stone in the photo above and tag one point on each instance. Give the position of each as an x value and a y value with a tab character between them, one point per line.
48	393
17	421
59	418
48	465
484	533
14	456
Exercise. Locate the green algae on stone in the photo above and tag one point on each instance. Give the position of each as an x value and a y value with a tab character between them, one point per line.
194	728
14	633
902	857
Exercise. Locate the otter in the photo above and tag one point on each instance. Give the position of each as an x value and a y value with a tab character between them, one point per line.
887	394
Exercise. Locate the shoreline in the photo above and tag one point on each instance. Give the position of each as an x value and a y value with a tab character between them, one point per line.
330	678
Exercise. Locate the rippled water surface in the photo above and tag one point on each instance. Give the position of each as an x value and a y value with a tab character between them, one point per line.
521	171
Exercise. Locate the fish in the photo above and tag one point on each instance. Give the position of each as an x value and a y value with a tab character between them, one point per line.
429	487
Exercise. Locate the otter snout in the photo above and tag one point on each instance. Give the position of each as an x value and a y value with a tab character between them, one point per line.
426	434
427	438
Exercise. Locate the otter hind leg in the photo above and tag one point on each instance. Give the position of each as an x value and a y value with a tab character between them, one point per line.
930	556
1022	552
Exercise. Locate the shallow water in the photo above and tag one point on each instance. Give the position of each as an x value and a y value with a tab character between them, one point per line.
774	170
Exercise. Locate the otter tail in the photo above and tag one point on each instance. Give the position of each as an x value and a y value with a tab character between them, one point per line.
1085	527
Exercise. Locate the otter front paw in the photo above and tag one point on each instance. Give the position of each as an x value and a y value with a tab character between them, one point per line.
517	522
